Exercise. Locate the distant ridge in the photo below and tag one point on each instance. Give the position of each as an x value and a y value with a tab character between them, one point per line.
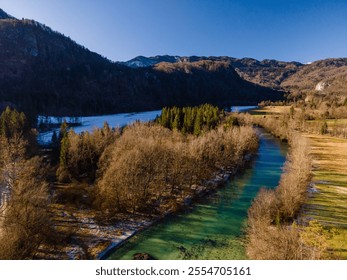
142	61
268	72
42	71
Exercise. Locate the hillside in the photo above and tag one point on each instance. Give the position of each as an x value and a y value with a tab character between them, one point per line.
215	82
34	59
142	61
43	71
268	73
324	79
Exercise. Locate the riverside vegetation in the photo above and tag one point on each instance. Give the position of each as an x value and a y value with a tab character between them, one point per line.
147	167
142	168
281	219
153	169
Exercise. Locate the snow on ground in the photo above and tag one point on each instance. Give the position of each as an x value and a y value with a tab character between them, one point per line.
88	238
242	108
115	120
89	123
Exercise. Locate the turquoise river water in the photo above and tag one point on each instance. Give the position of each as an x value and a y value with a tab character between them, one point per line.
214	227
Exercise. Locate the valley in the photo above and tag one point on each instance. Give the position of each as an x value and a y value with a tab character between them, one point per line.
183	157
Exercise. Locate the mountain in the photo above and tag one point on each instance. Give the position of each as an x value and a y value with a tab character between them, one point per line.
268	73
37	66
214	82
43	71
325	79
142	61
28	48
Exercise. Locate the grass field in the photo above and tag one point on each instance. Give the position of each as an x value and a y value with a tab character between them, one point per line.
270	110
327	201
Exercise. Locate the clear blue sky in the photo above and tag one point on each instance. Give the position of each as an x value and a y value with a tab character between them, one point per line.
301	30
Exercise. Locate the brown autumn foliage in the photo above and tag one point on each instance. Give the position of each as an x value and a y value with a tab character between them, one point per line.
25	222
272	232
82	153
292	188
150	168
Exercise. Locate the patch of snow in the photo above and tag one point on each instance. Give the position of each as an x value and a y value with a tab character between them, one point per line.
92	122
74	252
242	108
322	182
115	120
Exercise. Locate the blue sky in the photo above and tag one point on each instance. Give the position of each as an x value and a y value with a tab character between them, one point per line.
304	31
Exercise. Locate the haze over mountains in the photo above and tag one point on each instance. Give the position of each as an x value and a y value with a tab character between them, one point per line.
43	71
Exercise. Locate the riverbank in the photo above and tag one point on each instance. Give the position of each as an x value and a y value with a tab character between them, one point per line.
327	195
145	169
213	229
186	204
87	234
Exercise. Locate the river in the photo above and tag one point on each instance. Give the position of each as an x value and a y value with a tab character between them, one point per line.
214	227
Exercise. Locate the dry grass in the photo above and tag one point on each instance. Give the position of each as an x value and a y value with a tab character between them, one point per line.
329	203
332	123
271	110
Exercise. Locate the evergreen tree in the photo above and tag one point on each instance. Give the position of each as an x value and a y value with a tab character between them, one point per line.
63	130
190	119
62	172
197	124
13	123
176	123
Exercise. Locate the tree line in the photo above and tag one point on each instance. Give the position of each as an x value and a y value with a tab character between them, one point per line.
192	120
149	166
273	230
142	168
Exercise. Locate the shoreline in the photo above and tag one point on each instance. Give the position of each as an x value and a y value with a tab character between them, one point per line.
91	239
208	188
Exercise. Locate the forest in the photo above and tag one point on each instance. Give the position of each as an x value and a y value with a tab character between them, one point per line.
143	168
